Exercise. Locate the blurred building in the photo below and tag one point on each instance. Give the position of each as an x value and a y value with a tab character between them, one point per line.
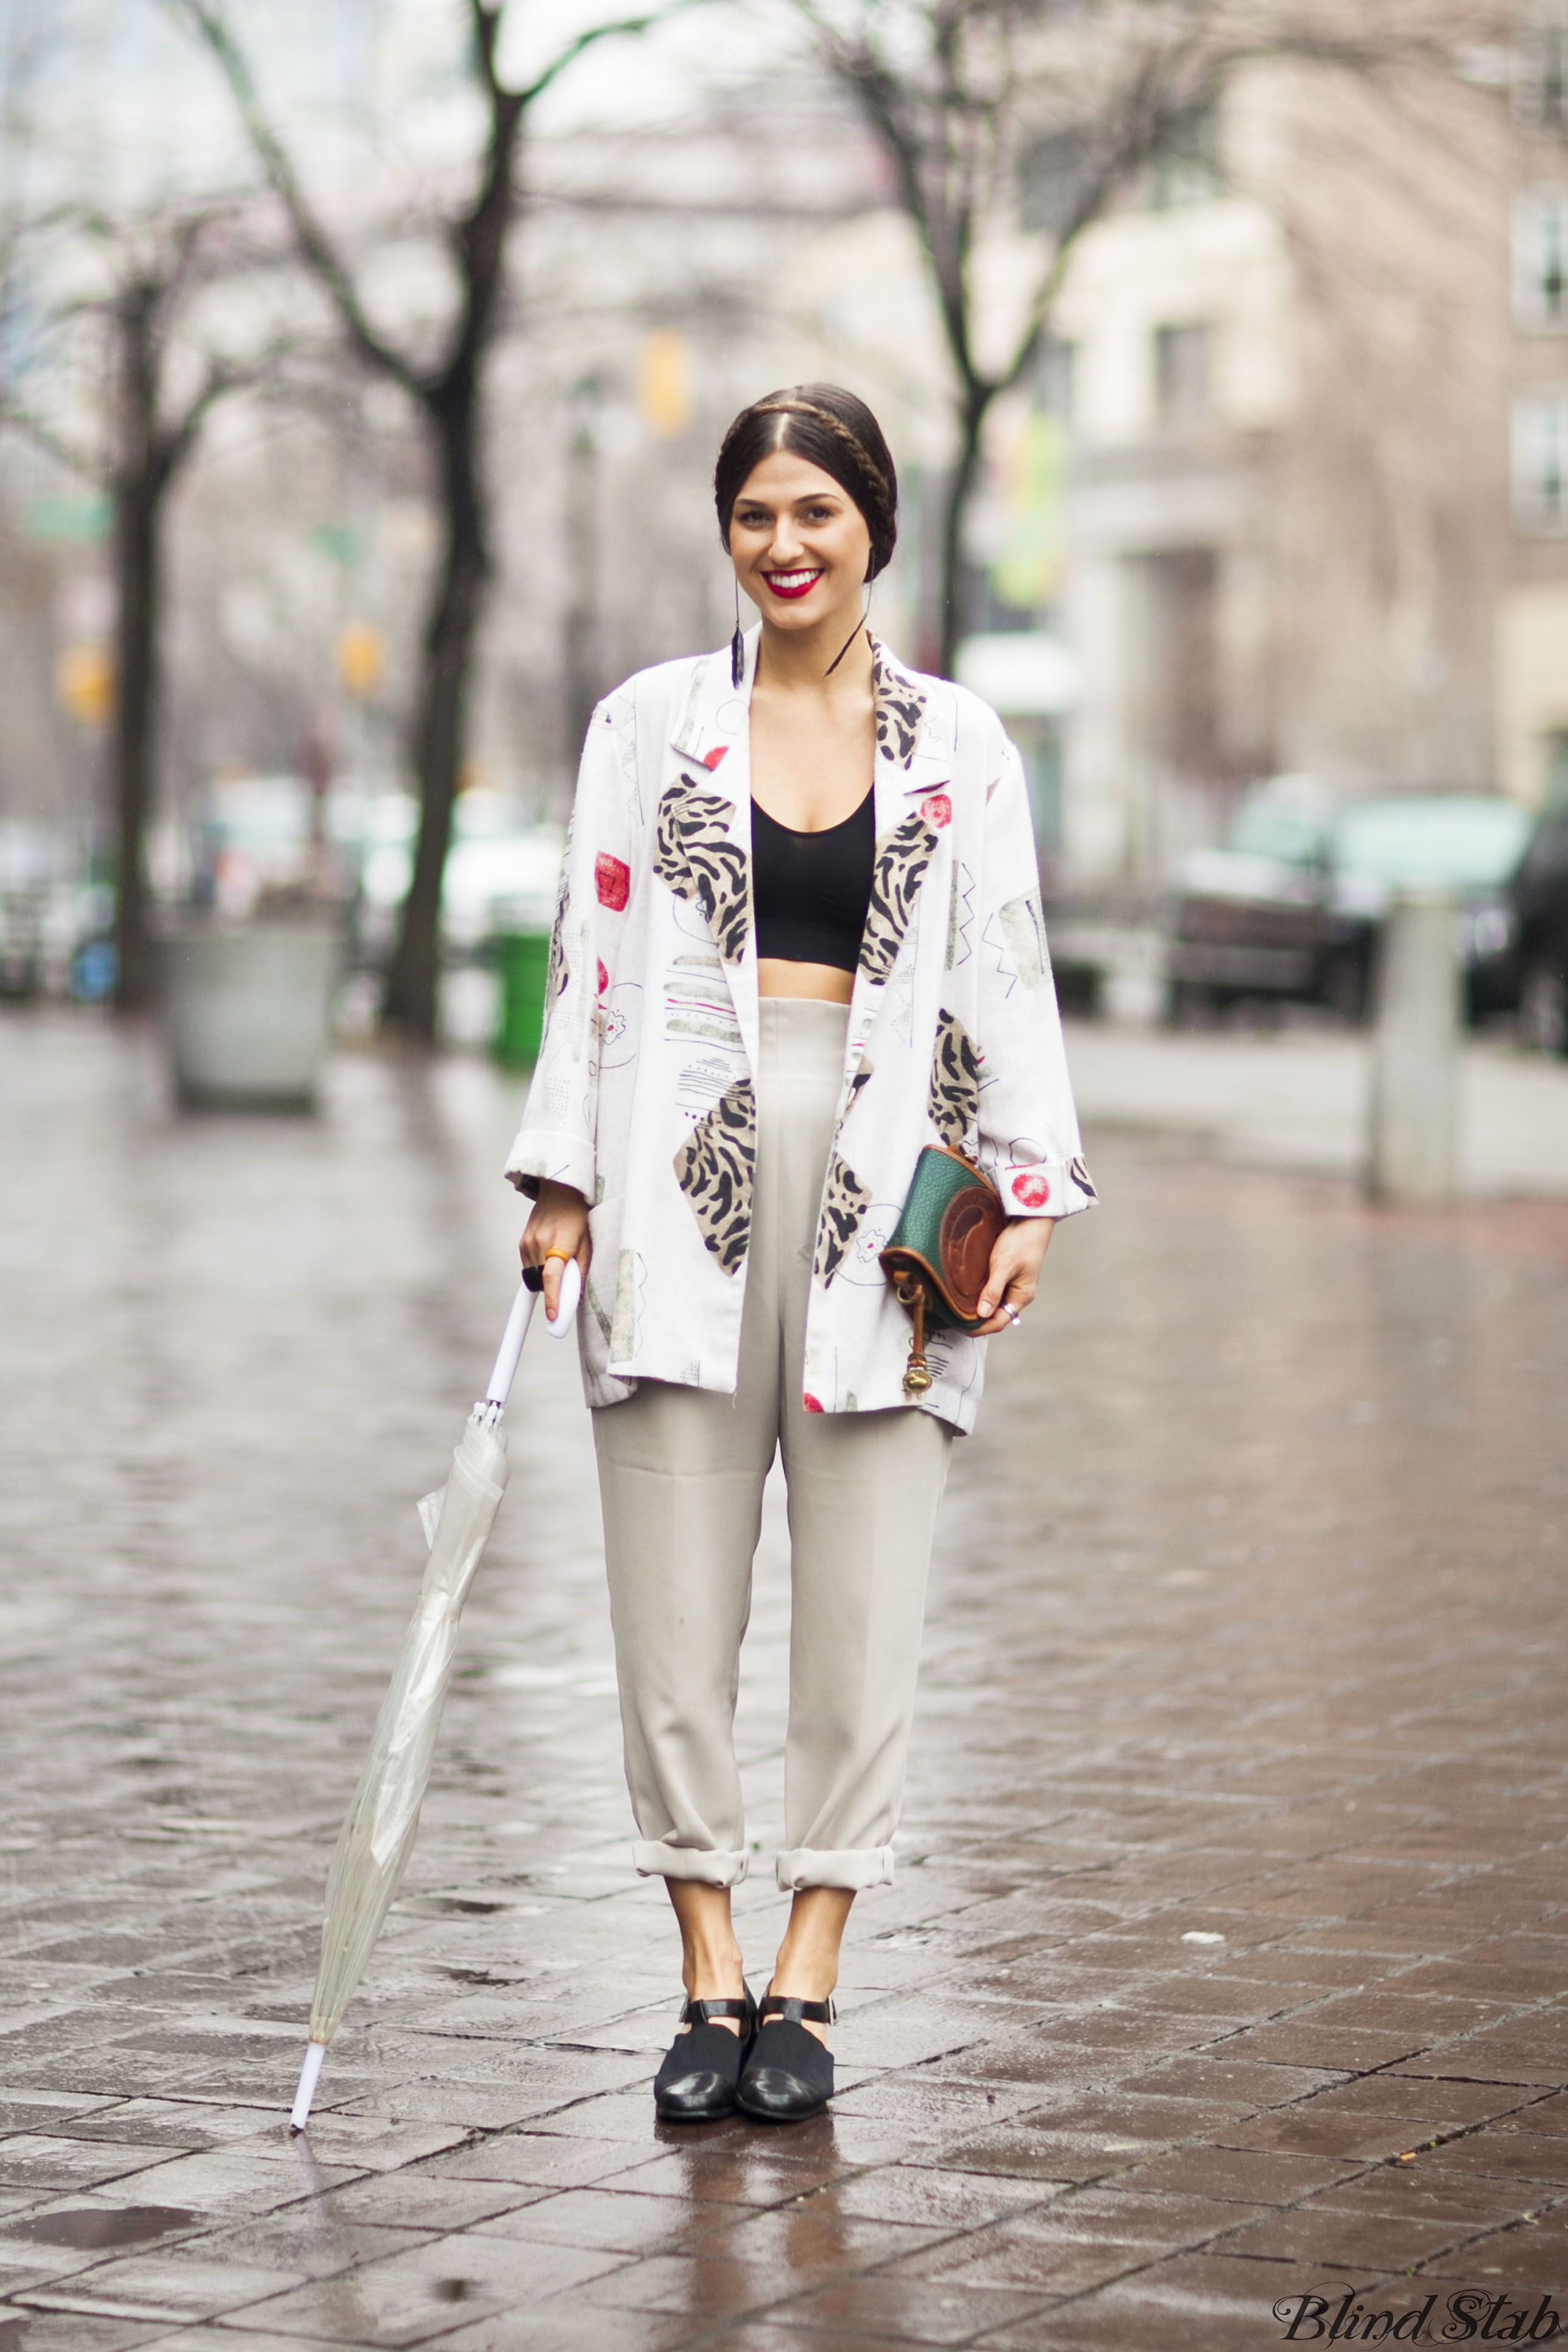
1296	467
1288	491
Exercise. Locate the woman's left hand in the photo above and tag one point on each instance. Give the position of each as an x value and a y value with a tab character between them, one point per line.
1015	1272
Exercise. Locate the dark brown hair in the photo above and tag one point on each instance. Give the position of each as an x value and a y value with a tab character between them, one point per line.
831	428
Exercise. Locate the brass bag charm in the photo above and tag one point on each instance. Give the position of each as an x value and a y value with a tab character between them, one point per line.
917	1374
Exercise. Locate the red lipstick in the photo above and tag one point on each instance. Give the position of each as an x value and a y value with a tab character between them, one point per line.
792	585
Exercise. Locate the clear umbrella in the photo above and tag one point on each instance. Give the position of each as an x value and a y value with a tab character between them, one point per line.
384	1820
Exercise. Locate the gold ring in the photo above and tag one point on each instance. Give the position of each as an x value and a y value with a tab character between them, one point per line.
565	1255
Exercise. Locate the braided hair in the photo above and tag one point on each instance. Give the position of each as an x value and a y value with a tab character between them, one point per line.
829	427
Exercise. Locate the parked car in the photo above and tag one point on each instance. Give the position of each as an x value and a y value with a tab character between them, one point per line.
1539	905
1289	908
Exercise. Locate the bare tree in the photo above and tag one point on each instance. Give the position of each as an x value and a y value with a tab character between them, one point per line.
961	94
157	263
447	392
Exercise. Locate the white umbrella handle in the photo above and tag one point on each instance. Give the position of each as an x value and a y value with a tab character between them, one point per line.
567	1304
518	1321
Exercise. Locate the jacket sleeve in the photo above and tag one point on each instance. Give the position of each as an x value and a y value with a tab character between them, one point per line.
558	1138
1028	1129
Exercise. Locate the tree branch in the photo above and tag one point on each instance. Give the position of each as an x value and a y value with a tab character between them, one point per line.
946	240
21	419
586	40
1170	87
477	236
176	439
206	20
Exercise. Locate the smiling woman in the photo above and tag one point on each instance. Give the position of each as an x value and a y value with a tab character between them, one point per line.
808	502
799	941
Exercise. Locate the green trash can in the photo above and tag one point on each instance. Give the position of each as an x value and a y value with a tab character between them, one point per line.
523	959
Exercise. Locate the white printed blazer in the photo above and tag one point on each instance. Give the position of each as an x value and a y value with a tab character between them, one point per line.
644	1098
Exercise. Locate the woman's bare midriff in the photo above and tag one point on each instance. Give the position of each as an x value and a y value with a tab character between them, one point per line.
825	981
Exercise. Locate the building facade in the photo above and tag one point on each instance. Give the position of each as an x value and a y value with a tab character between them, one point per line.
1312	511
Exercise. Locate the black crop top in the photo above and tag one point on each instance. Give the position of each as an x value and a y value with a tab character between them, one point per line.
811	891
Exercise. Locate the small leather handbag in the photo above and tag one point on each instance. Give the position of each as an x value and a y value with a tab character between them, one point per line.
940	1255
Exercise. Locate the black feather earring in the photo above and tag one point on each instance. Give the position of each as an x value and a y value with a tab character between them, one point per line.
736	644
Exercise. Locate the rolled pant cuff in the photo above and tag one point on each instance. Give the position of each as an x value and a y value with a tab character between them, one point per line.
856	1869
652	1860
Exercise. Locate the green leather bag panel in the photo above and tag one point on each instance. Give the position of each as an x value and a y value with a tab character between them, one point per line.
941	1180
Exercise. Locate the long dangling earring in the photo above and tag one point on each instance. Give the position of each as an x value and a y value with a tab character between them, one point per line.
736	644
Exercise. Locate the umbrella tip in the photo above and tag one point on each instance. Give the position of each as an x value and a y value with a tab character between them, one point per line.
310	2076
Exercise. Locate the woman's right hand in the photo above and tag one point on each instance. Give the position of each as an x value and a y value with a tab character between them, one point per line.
559	1224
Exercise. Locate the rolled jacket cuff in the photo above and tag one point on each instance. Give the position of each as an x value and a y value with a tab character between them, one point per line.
1043	1188
653	1859
539	1157
859	1868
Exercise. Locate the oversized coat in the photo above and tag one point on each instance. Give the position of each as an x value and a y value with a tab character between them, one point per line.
643	1098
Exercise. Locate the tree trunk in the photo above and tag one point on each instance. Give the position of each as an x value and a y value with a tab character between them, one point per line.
579	621
138	495
961	483
441	721
137	586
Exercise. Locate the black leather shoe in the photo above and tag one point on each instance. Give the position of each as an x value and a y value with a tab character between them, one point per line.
697	2081
788	2073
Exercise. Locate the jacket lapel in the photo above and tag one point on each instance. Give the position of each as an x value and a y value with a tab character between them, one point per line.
910	812
704	824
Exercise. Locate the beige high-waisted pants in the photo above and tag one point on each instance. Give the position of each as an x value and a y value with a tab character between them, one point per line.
680	1477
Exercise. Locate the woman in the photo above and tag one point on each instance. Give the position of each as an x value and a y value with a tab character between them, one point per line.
799	937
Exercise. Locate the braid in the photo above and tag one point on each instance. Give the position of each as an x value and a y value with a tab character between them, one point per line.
795	405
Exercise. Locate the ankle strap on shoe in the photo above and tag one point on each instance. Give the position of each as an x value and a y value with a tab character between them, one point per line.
703	2012
820	2013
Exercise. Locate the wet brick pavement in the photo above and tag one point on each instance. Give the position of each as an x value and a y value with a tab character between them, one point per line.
1227	1958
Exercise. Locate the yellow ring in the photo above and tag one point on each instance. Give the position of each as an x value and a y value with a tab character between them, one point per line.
565	1255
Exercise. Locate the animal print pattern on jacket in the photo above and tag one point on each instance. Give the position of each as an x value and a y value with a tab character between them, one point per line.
694	855
714	1168
954	1100
901	863
845	1201
900	706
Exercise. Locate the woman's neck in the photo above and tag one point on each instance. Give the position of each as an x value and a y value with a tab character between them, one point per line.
817	662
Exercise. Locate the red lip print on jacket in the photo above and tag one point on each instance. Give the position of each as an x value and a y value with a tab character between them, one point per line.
611	880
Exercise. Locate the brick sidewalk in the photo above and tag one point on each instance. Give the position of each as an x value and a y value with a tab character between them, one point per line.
1227	1960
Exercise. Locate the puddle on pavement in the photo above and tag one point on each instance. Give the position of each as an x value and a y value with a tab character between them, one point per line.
89	2227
